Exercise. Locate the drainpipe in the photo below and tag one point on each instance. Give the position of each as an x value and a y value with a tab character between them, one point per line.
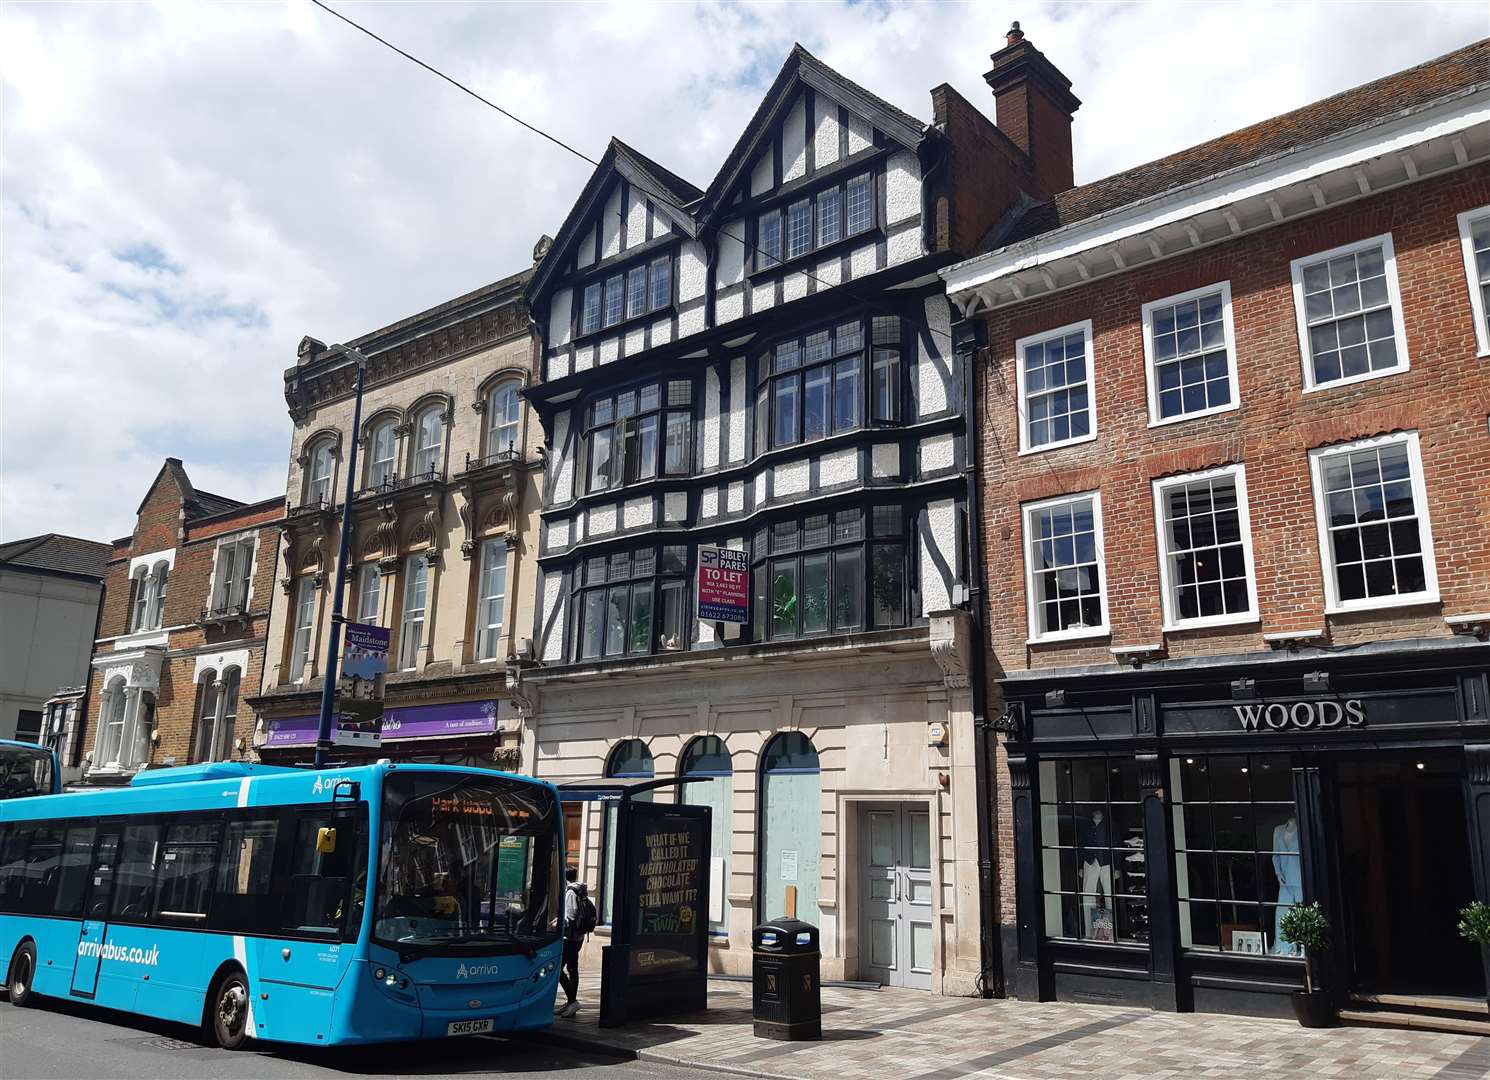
966	337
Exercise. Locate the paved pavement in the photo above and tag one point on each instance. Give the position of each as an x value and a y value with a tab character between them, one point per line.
891	1034
77	1042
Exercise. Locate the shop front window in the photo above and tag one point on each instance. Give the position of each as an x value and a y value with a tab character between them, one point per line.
1236	851
1092	850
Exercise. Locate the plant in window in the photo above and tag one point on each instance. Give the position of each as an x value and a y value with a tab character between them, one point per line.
784	603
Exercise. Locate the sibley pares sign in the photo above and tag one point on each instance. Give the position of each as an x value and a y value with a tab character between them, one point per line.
723	585
1302	715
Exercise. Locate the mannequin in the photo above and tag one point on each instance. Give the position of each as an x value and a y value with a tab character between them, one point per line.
1287	867
1096	867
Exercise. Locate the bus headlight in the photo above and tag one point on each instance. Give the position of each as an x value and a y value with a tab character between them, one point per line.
379	973
545	971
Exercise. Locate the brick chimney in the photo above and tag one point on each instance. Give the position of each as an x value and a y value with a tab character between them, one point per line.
1035	105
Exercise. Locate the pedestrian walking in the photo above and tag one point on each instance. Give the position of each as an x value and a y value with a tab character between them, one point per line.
579	922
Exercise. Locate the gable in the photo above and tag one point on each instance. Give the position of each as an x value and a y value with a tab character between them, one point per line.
815	132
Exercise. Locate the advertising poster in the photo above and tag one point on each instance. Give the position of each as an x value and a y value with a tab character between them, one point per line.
723	585
359	688
671	889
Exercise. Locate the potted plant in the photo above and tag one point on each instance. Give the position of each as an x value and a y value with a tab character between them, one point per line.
1306	927
1474	923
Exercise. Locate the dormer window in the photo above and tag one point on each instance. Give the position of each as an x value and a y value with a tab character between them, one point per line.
629	294
815	221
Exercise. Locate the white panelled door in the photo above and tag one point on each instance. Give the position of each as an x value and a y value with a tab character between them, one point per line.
896	912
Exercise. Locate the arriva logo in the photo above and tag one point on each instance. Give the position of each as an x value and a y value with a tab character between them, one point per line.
471	971
327	785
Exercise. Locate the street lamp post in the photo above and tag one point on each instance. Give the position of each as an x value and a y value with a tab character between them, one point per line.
338	584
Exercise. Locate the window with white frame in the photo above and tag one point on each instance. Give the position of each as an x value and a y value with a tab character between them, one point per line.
318	475
1374	539
150	597
217	711
1055	388
1065	575
1191	354
232	575
111	729
1205	548
429	441
492	586
305	624
140	605
381	453
1349	314
369	587
1474	238
416	599
503	417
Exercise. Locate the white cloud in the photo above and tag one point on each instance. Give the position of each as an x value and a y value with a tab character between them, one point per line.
188	189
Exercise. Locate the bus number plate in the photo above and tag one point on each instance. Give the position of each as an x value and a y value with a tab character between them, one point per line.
468	1027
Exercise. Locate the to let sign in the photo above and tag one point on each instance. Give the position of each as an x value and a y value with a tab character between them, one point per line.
723	585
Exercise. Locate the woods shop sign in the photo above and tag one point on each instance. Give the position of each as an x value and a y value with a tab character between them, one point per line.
1302	715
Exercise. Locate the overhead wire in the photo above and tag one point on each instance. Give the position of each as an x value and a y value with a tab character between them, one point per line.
666	199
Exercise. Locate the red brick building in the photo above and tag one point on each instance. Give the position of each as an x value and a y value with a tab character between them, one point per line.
185	617
1235	485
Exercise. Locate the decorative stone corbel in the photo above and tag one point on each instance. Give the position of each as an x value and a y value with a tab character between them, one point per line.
951	646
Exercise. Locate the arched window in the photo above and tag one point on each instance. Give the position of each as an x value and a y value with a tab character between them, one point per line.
217	709
111	726
503	417
429	441
630	760
708	759
381	446
318	474
140	604
791	826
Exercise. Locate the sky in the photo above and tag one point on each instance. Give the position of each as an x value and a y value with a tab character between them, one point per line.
187	189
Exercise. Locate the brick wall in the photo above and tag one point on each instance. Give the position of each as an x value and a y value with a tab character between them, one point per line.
1444	396
980	178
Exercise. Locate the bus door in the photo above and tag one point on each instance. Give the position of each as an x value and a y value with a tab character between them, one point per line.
100	894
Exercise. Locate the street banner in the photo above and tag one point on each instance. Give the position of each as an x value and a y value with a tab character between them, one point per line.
723	585
359	688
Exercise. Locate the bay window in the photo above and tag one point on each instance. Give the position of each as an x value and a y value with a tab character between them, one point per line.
813	386
633	434
1372	510
809	574
633	603
814	221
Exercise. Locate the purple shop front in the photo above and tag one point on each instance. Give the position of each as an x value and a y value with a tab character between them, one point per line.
406	722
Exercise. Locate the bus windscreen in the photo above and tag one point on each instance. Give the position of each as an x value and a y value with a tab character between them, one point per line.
468	864
25	770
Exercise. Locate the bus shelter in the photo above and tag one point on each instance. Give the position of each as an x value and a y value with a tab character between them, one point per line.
657	961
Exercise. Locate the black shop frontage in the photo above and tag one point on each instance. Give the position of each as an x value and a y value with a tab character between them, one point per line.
1165	816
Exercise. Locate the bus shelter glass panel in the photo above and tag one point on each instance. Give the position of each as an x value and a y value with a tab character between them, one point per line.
630	760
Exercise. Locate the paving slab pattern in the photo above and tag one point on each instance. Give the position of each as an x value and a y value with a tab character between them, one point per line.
889	1034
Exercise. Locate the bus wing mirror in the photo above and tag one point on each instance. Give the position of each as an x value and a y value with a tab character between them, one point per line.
325	841
346	789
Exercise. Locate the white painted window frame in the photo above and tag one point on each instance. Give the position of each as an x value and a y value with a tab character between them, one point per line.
301	647
1150	370
216	585
1031	603
1022	399
495	426
410	616
1172	621
1394	300
327	446
488	634
433	452
384	469
374	572
1332	603
1472	279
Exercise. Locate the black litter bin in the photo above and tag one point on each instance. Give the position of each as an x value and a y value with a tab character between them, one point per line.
788	996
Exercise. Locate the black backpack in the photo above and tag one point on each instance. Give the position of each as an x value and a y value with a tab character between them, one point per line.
586	917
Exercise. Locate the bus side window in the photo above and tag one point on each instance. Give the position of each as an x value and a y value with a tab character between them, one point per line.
134	888
320	882
77	854
188	858
244	897
14	840
43	867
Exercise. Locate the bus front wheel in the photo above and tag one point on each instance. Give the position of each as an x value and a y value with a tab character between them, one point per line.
229	1018
22	972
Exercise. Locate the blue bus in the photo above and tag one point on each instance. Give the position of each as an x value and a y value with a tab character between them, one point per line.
27	769
371	904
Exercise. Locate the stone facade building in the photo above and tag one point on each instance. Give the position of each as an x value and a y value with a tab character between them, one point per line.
766	365
182	631
444	505
1235	480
